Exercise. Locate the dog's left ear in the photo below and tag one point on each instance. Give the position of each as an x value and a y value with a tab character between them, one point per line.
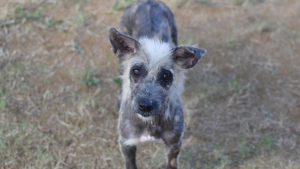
122	44
187	57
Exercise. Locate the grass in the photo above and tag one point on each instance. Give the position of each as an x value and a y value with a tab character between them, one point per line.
80	16
237	86
118	7
117	81
246	2
20	14
16	148
203	2
2	101
57	113
265	143
89	78
53	23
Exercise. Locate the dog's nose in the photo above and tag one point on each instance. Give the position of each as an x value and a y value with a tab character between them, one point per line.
146	105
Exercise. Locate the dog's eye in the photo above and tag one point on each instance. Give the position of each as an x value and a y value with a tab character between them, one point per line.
136	71
166	75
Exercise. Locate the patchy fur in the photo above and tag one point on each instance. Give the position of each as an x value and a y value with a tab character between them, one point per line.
152	75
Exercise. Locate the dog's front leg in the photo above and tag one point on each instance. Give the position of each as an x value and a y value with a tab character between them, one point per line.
173	151
129	152
129	135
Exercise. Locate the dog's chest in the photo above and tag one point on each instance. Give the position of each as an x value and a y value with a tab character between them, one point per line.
146	136
151	133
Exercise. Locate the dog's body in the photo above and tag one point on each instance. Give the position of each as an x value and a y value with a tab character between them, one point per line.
152	73
151	19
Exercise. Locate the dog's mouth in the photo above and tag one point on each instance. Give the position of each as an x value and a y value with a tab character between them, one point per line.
145	118
146	114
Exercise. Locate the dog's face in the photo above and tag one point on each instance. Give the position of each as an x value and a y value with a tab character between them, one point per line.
151	76
151	71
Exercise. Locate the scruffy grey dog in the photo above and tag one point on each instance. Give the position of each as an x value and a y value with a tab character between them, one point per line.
152	73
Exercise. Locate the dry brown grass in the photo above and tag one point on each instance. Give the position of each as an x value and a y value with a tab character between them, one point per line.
242	102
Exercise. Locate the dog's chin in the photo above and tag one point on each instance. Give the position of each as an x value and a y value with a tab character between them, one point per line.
145	118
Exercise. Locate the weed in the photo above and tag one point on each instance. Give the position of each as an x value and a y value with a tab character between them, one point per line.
203	2
20	14
53	23
244	150
265	143
117	6
117	81
246	2
2	101
89	78
234	85
80	16
237	86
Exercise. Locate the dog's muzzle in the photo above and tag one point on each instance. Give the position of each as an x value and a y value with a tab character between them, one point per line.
146	107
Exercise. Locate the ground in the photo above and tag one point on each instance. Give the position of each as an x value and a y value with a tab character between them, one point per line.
59	85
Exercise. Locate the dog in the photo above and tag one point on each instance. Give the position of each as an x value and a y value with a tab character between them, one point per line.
152	70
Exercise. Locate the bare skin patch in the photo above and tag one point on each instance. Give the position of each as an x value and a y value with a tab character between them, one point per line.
173	162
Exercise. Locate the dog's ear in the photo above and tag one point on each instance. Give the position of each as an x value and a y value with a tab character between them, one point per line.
187	57
122	44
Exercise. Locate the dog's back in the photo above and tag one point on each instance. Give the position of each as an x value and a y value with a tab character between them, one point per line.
149	18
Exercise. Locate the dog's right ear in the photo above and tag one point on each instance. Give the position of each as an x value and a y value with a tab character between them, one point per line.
122	44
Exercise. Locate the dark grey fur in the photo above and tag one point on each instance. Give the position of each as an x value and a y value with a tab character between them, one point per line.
146	91
149	18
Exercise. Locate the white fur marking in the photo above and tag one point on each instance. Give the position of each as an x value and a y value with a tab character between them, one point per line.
167	113
177	118
156	49
145	119
132	142
145	137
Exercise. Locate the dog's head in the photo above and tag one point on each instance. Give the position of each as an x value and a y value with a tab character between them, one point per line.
151	71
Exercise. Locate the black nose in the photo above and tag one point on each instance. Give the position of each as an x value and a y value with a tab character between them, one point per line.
146	105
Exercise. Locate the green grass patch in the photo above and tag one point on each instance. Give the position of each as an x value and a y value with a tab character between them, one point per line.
204	2
118	7
246	2
265	143
117	81
238	86
21	14
53	23
89	78
80	16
